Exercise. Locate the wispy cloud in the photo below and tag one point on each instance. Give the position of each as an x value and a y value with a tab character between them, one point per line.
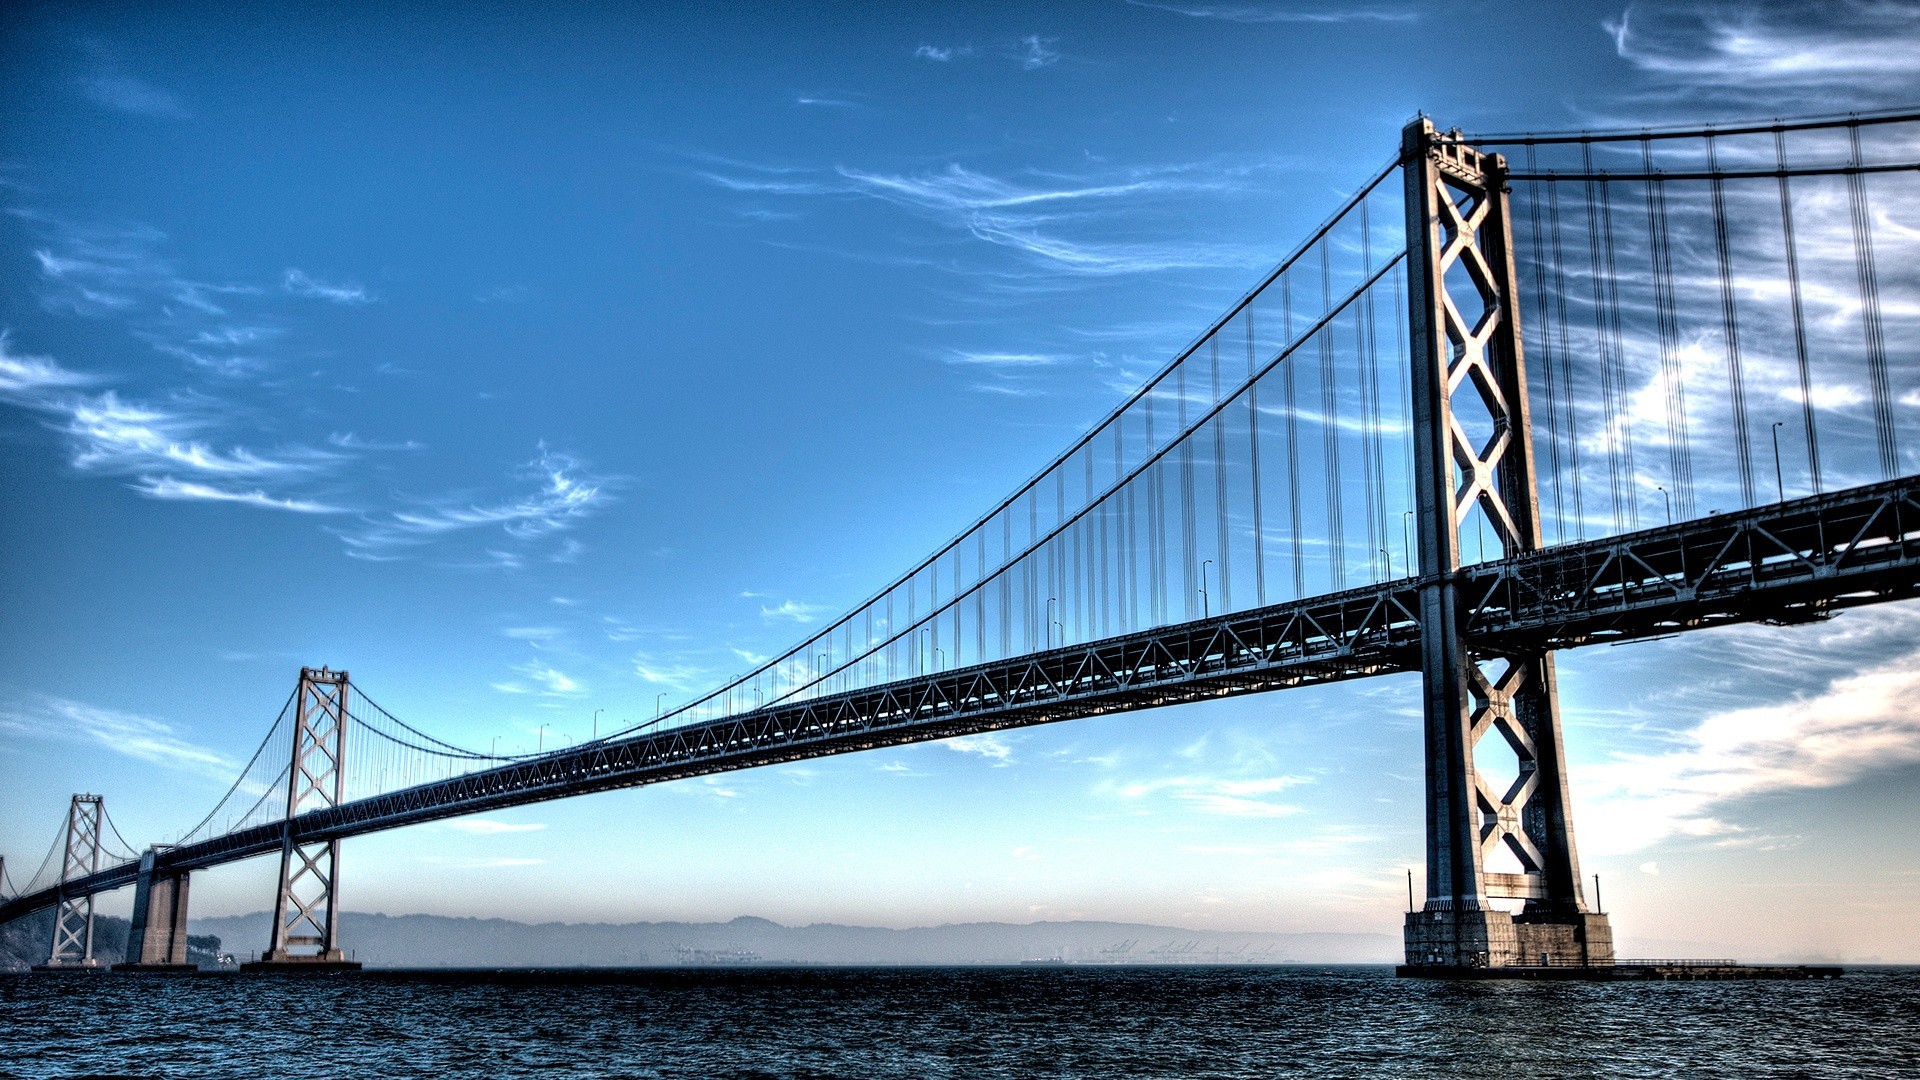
155	445
942	53
301	283
676	676
26	378
541	679
989	745
826	102
563	496
166	487
792	611
1037	52
480	826
124	93
1003	359
1229	797
1032	217
131	734
1270	13
1750	44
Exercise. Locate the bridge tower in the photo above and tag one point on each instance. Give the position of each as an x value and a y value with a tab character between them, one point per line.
306	910
73	917
1473	450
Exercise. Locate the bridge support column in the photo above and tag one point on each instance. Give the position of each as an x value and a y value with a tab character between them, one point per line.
158	938
1473	455
306	910
73	918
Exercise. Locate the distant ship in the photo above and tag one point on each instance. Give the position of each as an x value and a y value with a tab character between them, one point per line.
1046	961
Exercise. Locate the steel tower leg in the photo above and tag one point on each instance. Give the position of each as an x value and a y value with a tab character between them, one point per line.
306	910
1473	450
73	918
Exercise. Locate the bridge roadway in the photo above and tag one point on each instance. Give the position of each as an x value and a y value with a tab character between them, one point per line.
1790	562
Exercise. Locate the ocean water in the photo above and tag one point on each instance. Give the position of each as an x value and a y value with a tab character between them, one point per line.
951	1022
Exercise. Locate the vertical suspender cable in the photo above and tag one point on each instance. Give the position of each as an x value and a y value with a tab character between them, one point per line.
1330	426
1223	526
1799	315
1189	540
1293	445
1610	434
1883	432
1253	458
1679	453
1730	328
1622	407
1565	353
1546	349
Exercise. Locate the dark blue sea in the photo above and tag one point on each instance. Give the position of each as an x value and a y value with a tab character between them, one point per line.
951	1022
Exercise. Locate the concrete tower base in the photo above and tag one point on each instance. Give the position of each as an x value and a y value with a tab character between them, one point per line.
1496	939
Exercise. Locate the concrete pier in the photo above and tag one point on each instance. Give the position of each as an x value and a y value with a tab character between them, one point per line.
157	941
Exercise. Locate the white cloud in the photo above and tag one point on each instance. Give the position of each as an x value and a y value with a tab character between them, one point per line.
1221	796
1856	44
27	378
479	826
1858	724
793	611
124	93
140	737
548	682
564	495
166	487
1037	52
301	283
1001	359
1650	868
531	633
941	54
988	745
1256	13
681	677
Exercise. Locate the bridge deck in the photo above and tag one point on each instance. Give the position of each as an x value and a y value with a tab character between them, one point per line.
1795	561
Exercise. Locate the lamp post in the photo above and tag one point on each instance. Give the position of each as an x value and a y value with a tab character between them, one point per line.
596	723
1206	598
1051	601
1669	502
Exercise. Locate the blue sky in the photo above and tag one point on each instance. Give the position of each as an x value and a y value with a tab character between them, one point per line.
528	364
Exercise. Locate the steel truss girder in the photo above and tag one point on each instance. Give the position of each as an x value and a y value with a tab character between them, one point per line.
1791	562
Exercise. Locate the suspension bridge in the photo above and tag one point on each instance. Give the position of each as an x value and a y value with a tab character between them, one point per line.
1517	394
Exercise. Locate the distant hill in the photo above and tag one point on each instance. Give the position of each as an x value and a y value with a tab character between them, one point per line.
28	940
437	941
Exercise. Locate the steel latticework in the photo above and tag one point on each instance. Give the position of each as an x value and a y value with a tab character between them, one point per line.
1472	420
80	857
306	910
1473	442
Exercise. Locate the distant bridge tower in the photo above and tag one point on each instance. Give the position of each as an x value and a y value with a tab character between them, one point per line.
73	917
306	910
1473	449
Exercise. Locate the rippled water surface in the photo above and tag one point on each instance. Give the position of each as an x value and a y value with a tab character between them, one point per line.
959	1022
